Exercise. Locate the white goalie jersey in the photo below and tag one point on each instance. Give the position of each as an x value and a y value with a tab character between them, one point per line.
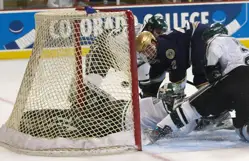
228	51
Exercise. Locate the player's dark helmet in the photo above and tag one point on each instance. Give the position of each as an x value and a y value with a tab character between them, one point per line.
214	29
154	23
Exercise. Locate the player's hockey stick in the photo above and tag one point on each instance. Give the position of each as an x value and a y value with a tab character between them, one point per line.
191	83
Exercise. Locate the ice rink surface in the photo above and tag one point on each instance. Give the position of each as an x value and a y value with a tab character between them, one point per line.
198	146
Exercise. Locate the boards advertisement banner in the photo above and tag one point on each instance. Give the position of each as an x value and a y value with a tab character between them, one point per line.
17	28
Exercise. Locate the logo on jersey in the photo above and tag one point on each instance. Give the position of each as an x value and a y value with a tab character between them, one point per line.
170	53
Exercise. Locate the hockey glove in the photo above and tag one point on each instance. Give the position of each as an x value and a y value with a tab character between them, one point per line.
213	73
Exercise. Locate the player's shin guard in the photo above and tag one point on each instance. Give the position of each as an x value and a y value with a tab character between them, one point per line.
243	133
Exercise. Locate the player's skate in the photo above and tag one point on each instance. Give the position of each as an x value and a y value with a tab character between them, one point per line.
159	133
223	121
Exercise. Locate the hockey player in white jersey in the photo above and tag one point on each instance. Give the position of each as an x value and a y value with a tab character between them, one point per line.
227	65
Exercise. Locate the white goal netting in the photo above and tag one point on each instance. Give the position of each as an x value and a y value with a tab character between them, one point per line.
79	94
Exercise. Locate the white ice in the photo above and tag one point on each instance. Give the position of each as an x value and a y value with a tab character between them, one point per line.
199	146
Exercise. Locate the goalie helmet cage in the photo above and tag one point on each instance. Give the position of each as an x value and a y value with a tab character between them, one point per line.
79	94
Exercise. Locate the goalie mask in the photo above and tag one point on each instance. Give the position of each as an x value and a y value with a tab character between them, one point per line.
146	46
171	94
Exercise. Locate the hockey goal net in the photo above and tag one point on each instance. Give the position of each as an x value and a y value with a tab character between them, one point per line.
79	94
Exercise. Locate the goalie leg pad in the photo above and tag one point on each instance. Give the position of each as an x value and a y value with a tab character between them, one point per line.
152	110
